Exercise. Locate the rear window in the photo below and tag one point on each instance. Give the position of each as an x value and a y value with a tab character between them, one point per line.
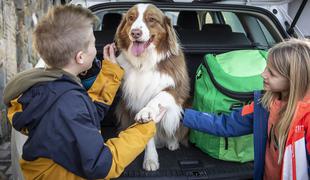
207	29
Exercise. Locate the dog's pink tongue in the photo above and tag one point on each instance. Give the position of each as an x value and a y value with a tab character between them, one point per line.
137	48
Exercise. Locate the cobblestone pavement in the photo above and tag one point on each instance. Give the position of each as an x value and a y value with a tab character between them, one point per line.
5	161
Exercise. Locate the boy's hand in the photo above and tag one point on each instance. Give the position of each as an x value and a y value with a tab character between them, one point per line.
109	52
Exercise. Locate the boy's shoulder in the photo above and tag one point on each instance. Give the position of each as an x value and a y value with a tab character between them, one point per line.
63	87
40	80
23	81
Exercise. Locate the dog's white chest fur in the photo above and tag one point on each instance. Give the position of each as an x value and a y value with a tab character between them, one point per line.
140	86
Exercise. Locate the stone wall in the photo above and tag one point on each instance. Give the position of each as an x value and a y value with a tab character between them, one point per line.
17	21
8	56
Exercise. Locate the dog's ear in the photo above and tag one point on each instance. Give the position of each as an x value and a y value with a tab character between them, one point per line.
171	37
119	30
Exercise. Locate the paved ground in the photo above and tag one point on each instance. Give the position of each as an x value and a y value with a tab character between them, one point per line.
5	161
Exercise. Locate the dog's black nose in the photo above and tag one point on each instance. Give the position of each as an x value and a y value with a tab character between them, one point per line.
136	33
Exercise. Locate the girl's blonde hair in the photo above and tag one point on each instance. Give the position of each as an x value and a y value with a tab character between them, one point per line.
292	60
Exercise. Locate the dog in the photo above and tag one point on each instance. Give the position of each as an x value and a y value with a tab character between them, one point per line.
155	74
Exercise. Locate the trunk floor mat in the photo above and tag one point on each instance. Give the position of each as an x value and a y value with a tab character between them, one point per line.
185	163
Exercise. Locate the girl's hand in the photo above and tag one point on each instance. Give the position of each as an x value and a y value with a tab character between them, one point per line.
109	52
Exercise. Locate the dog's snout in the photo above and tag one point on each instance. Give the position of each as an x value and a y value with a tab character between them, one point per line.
136	33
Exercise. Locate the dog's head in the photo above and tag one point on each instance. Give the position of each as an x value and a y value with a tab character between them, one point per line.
145	28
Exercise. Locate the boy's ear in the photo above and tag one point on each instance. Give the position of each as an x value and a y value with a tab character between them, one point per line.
79	57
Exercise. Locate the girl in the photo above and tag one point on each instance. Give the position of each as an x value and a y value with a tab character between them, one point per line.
279	119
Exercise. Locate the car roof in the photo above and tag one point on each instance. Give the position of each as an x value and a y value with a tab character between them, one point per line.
88	3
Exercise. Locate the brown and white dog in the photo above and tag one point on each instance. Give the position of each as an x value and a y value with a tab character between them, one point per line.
155	73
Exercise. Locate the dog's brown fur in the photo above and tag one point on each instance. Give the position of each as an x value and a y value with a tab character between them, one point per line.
174	65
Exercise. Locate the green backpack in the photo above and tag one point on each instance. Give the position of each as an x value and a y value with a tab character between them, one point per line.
224	82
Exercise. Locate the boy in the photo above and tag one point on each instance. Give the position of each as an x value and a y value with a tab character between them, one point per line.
61	119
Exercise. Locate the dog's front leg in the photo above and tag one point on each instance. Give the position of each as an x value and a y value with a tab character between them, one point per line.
150	162
152	109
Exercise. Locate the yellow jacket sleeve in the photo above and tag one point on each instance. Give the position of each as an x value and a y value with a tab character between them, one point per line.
107	83
128	146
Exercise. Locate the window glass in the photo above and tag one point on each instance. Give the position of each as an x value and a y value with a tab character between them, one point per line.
110	19
231	19
173	16
257	31
271	41
209	19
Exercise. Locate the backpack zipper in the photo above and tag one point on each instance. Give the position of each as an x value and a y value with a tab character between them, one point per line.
241	96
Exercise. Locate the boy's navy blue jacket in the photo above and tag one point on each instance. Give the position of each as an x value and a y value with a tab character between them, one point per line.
62	122
251	118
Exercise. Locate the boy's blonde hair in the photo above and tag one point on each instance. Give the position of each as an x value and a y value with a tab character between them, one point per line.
292	60
62	33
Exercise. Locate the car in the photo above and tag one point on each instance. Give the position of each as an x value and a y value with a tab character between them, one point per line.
201	27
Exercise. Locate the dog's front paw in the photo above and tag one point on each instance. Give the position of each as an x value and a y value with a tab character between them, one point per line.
150	165
144	115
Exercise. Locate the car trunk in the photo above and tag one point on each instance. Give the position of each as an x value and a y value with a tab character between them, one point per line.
190	162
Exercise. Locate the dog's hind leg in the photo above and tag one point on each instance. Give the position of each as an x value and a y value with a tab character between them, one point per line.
150	162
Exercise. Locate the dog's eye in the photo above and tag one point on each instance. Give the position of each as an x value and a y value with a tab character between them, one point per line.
131	18
151	19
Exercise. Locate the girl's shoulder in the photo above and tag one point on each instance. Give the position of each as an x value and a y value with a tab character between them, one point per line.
304	105
303	110
306	99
